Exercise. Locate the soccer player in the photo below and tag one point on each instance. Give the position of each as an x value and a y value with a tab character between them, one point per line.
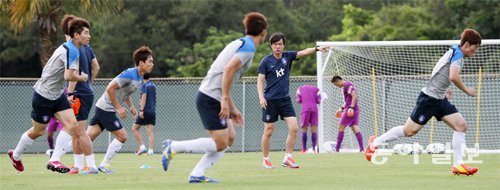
309	96
351	117
48	97
109	104
147	115
433	101
274	99
214	102
81	97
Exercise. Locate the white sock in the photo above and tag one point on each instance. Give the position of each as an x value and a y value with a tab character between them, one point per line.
201	145
209	159
24	142
287	155
61	143
266	158
457	141
70	146
78	161
142	147
90	161
113	148
390	135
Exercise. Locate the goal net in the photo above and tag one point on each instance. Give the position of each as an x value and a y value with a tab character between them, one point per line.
389	75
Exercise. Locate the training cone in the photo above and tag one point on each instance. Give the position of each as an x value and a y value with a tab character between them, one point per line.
145	166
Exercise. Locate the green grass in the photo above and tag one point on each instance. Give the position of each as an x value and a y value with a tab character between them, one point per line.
243	171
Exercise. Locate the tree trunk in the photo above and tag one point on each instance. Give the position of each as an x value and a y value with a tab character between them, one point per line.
48	33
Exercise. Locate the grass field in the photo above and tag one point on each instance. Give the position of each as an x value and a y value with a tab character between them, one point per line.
243	171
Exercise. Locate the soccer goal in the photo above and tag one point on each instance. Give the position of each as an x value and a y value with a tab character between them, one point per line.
389	75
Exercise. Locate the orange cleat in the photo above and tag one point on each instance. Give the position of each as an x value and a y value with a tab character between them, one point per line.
464	170
370	149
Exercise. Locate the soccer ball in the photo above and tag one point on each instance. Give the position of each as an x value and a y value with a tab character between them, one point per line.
398	148
329	146
416	148
435	148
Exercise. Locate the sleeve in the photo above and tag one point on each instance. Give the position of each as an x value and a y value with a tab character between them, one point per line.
262	67
298	97
72	60
123	79
293	55
91	51
457	59
351	89
318	97
144	89
244	52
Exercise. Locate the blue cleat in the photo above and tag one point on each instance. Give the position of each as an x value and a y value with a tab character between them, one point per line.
167	154
105	169
89	170
202	179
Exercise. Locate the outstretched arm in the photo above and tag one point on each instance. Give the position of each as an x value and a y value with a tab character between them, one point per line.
309	51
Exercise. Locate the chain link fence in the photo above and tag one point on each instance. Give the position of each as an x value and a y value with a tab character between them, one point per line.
177	117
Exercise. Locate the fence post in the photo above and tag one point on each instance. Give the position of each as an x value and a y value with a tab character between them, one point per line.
243	112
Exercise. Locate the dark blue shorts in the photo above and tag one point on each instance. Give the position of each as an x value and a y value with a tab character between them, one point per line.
43	109
209	109
106	120
149	119
278	107
428	106
86	102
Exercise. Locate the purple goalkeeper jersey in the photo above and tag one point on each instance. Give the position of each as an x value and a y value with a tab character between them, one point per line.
348	89
309	97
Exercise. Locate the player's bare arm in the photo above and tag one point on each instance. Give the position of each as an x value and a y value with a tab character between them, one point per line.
456	79
310	51
111	90
95	68
260	89
227	80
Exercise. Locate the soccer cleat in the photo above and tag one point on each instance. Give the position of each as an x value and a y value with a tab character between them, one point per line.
151	152
89	170
18	165
105	169
168	154
141	151
266	164
73	170
57	166
289	162
202	179
464	170
370	149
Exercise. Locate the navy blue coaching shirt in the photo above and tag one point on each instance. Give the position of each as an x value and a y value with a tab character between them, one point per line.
277	73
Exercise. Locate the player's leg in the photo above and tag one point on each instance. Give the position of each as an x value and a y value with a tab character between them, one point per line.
26	140
114	147
266	144
67	118
151	138
222	137
135	130
290	142
208	108
340	136
84	141
304	123
359	137
314	138
51	128
450	115
304	139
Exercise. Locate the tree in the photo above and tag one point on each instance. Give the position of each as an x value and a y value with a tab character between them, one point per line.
46	13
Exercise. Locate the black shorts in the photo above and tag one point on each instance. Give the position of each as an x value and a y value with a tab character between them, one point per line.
428	106
278	107
43	109
209	109
86	102
149	119
106	120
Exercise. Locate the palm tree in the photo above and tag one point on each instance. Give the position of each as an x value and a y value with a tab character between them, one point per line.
45	13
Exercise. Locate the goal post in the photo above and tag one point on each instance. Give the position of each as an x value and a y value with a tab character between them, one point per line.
389	75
